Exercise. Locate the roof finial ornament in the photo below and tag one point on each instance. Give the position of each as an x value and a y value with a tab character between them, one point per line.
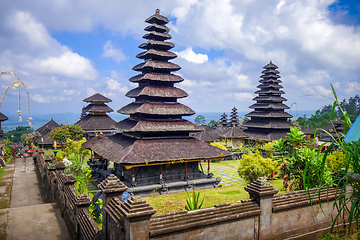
270	61
157	11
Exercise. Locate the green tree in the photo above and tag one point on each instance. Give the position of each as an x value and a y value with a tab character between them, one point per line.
17	133
29	138
76	148
61	134
212	123
200	120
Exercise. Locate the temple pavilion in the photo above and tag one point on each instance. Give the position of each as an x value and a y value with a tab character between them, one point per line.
97	121
154	152
268	121
2	119
223	120
44	140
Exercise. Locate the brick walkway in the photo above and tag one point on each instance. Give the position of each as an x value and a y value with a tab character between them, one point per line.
229	175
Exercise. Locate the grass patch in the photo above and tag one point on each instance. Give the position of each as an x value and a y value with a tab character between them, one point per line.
177	201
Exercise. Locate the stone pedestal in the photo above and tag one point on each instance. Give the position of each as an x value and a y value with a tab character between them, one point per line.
263	193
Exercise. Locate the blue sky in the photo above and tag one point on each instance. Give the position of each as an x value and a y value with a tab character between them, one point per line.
66	50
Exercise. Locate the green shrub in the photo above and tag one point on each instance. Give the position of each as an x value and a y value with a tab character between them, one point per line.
253	166
268	148
80	187
335	161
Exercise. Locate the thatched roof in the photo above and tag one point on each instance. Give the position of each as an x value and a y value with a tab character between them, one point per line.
274	114
157	65
157	28
160	45
156	77
156	54
97	97
157	18
45	131
269	105
275	124
235	132
207	135
157	109
181	125
98	108
3	117
96	122
170	92
121	149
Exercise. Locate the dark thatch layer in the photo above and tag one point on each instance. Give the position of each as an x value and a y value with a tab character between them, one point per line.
263	85
97	97
269	106
169	92
268	91
121	149
97	122
128	125
156	54
44	132
265	135
157	28
207	135
3	117
269	98
156	77
273	114
270	66
158	19
171	109
157	65
235	132
275	124
98	108
157	36
160	45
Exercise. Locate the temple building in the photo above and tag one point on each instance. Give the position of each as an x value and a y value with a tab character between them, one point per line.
97	121
268	121
223	120
2	119
154	153
234	118
43	140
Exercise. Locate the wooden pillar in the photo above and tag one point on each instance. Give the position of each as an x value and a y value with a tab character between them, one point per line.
161	172
123	170
186	175
133	174
208	167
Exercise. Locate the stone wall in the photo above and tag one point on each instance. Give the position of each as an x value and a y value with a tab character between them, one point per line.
59	187
265	215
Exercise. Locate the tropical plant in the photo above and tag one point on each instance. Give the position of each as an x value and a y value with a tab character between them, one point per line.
80	187
254	165
346	201
296	154
193	201
94	209
61	134
75	147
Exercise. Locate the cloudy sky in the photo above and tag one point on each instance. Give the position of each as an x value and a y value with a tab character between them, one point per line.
67	50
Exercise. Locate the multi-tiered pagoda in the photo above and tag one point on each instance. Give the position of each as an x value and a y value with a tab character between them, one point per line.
154	149
223	120
268	121
234	118
97	121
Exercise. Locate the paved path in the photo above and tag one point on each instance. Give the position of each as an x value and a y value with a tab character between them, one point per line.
228	175
28	218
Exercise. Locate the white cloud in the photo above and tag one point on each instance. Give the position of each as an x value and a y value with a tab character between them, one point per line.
323	91
189	55
90	91
69	64
109	51
40	99
115	85
243	96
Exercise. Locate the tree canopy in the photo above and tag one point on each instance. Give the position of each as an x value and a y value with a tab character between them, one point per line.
17	133
61	134
200	120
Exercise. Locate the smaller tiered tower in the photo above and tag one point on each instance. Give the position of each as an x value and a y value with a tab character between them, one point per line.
234	118
97	120
268	121
224	120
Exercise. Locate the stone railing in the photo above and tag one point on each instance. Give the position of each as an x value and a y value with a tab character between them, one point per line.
266	215
59	187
